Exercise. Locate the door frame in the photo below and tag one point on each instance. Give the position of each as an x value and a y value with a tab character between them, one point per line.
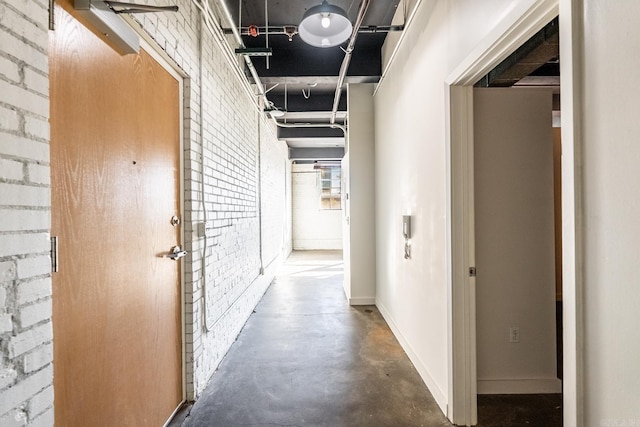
521	22
169	65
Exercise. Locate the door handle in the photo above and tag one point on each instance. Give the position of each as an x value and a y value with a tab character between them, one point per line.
176	253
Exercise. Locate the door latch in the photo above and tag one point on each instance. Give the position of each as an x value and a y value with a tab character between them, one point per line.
176	253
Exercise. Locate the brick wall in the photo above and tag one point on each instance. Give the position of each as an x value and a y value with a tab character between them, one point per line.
219	115
26	393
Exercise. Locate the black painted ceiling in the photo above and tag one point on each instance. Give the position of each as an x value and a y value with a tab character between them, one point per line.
295	66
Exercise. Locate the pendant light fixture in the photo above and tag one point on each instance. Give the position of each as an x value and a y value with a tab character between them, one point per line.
325	25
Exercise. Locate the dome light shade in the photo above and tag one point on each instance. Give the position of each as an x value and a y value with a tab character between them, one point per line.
325	25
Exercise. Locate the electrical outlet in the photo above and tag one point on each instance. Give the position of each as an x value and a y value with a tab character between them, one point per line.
514	334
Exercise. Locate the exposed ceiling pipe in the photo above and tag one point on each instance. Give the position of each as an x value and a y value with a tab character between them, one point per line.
366	29
343	128
364	5
247	59
261	90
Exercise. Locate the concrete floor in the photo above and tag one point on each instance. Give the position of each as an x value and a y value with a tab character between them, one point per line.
306	358
513	410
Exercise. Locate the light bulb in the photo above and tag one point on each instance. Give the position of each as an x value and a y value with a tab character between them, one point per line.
325	22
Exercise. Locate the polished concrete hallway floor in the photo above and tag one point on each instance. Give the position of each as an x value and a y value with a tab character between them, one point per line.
306	358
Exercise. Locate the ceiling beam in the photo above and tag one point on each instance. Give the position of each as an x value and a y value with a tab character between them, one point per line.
298	103
532	55
309	132
323	153
302	61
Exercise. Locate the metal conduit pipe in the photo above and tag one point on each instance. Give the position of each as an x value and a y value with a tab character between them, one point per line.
364	5
310	125
367	29
256	78
247	60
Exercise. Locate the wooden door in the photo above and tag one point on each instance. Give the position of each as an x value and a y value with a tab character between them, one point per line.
115	159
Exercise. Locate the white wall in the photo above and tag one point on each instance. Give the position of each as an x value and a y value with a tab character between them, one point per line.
288	237
514	241
410	129
313	228
604	122
346	234
360	261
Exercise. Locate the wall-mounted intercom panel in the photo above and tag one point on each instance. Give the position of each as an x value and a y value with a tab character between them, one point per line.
406	232
406	226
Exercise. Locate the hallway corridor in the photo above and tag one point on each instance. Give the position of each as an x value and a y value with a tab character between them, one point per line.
306	358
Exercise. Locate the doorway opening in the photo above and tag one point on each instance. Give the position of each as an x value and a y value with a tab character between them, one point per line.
517	214
519	26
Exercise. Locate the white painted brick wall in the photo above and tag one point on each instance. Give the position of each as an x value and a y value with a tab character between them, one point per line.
7	376
26	372
22	148
15	418
24	220
23	244
34	266
41	401
37	358
9	70
22	392
38	174
45	419
33	290
11	170
35	313
24	195
29	339
9	119
7	271
6	323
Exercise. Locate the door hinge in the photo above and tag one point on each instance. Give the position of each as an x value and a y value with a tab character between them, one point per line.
472	272
52	20
54	254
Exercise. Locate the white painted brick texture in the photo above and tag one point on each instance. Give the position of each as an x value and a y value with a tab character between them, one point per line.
26	370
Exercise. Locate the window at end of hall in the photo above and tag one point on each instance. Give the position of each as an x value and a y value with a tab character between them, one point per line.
330	186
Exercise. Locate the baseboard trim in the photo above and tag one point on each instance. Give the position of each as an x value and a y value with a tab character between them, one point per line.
362	301
520	386
438	395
